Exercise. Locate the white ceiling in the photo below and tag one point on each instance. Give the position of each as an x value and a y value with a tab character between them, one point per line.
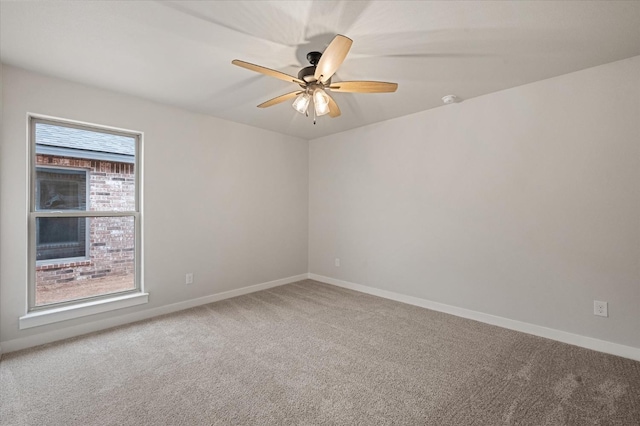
180	53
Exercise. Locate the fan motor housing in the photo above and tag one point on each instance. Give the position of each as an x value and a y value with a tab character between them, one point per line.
307	74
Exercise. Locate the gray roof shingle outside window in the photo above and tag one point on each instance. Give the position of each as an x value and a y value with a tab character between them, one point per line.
69	141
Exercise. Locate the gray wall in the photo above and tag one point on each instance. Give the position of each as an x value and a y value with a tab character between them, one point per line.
223	200
1	137
523	204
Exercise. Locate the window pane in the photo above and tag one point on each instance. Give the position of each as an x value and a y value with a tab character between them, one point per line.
67	157
60	237
61	189
108	268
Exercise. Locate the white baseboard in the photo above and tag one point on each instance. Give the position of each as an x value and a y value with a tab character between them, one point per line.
89	327
549	333
536	330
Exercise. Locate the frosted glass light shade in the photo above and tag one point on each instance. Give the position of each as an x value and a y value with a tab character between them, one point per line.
321	102
302	103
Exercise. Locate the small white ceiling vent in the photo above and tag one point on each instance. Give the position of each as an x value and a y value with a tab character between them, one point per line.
450	99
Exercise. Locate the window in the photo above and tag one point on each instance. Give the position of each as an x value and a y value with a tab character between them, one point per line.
61	238
84	227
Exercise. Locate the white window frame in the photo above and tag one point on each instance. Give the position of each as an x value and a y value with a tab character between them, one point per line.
51	313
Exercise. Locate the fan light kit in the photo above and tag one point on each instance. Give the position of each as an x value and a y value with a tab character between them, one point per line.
315	80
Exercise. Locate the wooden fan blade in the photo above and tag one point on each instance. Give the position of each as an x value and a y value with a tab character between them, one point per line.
279	99
332	57
334	111
364	87
268	71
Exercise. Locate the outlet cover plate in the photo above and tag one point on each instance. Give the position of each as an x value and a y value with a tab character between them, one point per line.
600	308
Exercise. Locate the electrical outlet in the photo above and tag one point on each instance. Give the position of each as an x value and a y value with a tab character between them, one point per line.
337	262
189	279
600	308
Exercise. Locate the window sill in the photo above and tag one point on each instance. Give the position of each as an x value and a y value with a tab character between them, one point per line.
41	265
50	316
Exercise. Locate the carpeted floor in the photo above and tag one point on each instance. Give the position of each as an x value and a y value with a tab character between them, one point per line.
310	353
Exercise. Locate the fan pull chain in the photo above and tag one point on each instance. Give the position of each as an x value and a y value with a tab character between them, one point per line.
314	116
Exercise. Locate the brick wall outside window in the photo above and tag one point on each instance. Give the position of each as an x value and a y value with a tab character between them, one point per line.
111	239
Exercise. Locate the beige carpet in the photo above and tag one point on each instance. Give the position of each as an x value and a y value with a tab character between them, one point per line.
310	353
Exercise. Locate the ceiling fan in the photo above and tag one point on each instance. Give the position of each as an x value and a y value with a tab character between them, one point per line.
314	80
